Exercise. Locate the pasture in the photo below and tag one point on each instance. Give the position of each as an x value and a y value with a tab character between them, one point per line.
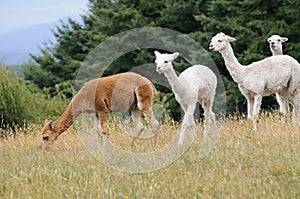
243	164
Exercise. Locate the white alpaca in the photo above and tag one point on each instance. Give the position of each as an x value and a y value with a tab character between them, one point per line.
277	74
275	42
196	83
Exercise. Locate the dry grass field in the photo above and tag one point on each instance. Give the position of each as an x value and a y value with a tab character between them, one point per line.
243	164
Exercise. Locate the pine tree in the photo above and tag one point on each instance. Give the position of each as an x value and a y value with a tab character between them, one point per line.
250	21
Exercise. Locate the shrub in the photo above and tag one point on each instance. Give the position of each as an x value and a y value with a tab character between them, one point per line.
22	102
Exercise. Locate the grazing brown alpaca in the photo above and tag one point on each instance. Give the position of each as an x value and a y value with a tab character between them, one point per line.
116	93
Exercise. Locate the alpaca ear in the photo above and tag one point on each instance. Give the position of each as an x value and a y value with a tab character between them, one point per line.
222	34
156	53
175	55
284	39
51	125
230	39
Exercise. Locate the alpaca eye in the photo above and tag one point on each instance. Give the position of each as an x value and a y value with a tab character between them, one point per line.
220	40
46	138
278	40
166	62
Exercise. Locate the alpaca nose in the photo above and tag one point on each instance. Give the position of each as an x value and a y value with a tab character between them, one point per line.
272	42
158	70
211	47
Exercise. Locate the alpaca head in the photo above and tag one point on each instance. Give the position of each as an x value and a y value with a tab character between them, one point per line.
276	41
220	41
47	135
164	61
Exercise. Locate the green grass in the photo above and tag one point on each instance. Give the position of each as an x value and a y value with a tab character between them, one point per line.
243	164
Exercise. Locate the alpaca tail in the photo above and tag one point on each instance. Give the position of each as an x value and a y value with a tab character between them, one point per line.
154	90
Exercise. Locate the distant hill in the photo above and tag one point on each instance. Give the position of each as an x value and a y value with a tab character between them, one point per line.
16	46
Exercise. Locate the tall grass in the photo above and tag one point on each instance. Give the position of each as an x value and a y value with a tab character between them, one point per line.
243	164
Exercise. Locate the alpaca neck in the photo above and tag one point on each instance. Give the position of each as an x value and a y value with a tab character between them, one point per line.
65	120
232	64
176	85
277	52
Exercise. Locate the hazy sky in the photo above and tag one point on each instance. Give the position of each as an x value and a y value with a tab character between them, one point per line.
18	14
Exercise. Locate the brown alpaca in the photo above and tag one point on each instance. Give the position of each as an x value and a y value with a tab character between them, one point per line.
116	93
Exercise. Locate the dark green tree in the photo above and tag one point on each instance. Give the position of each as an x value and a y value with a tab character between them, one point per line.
249	21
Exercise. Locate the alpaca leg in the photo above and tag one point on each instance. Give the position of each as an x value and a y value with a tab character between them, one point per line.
103	123
289	99
250	104
207	112
287	107
144	103
188	122
154	124
283	106
296	110
138	125
209	118
256	109
97	124
296	114
293	114
213	118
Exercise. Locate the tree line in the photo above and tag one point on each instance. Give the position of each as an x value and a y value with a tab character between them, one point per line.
251	22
